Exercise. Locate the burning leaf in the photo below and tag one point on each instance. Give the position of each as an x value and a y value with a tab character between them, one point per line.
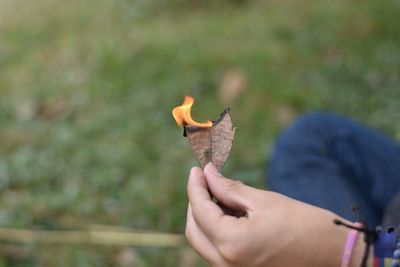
200	140
182	114
210	141
222	134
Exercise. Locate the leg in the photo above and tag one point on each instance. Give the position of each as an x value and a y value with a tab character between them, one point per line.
332	162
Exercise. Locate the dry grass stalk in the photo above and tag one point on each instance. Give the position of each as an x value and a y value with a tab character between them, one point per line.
106	238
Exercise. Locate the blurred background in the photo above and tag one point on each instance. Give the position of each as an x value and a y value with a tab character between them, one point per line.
87	88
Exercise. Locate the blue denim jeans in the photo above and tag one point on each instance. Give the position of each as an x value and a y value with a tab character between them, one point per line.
335	163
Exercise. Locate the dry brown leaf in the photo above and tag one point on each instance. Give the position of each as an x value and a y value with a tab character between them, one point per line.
284	114
25	111
212	143
200	140
53	109
233	83
127	257
222	134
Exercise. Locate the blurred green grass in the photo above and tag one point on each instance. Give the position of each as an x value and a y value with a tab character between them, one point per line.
86	90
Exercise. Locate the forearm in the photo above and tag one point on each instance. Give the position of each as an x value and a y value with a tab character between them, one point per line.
323	242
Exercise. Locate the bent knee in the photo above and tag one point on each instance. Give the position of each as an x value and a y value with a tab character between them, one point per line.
309	127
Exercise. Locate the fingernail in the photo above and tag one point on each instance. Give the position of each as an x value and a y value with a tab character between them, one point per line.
193	171
210	167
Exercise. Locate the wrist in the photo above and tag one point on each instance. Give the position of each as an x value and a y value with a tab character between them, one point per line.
327	242
320	241
358	253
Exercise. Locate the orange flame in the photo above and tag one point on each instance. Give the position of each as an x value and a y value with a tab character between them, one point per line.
182	114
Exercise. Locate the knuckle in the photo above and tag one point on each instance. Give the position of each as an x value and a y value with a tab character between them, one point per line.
232	252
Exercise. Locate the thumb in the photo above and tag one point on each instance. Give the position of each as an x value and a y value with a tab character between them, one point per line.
232	193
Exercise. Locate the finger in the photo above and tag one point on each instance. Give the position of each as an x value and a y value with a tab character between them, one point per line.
231	193
231	212
205	211
199	241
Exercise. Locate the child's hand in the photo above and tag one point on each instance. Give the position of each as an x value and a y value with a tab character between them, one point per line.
251	227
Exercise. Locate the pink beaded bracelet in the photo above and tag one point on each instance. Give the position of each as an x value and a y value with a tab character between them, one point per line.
349	246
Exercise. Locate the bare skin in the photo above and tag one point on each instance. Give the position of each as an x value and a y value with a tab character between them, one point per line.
275	231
